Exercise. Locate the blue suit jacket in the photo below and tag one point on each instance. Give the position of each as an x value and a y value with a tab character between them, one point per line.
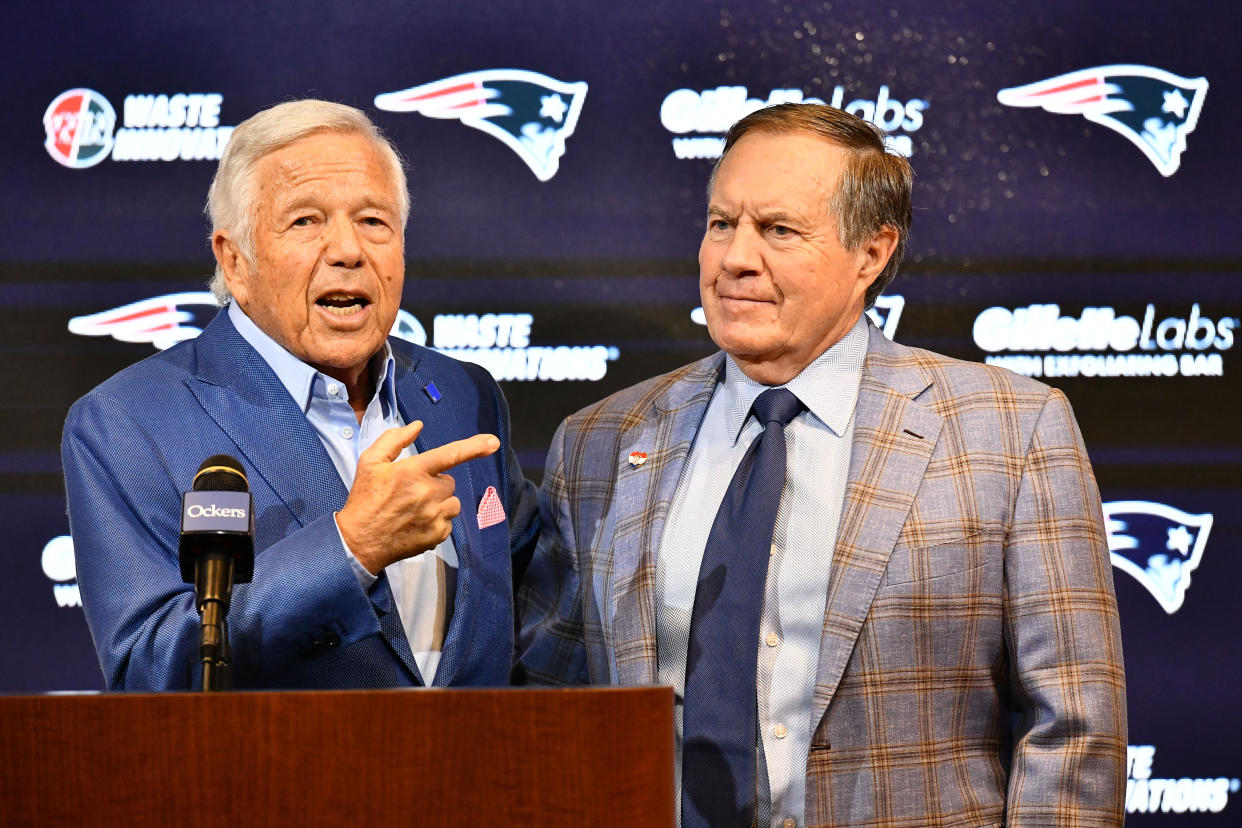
131	448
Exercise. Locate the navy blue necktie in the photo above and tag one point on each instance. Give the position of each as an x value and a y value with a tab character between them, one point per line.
719	736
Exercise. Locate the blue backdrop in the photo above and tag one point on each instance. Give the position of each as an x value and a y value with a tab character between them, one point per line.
1074	220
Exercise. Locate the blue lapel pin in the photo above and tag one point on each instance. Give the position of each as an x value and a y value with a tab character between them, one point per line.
432	392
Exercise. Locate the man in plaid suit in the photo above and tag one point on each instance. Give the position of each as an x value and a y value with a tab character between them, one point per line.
938	642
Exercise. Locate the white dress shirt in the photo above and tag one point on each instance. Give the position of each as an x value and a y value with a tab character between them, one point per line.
791	625
423	587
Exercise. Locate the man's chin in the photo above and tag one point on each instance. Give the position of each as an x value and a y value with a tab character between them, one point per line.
344	353
739	339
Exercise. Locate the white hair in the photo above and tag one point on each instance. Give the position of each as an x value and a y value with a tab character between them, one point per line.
231	200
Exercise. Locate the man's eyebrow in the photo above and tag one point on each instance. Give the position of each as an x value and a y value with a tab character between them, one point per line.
294	204
379	204
717	210
779	217
304	202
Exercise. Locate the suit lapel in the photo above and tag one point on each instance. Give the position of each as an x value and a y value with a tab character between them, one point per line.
644	493
443	423
238	390
894	436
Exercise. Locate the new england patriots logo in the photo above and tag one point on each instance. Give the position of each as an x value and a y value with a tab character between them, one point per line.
1155	110
886	313
531	113
160	320
1157	544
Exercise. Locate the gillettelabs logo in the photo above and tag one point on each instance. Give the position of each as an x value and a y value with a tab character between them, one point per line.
79	124
1153	109
1158	545
532	114
713	111
1100	342
885	314
500	342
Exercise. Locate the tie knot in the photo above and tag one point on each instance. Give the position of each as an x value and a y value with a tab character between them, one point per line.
777	405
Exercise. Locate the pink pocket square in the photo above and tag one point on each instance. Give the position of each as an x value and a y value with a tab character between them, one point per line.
491	511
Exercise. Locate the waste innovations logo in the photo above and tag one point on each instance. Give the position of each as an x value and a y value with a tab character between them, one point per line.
1153	109
182	126
500	342
1039	341
79	125
1158	545
532	114
713	111
885	314
1146	794
61	568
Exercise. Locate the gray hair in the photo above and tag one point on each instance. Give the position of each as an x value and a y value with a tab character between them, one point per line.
874	189
231	200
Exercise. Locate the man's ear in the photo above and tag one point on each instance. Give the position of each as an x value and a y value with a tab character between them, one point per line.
875	253
233	263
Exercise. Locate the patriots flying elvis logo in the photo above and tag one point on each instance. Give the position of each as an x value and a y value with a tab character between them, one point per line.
1155	110
532	114
1157	544
161	320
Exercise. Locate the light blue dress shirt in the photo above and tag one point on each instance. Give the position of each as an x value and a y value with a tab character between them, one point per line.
423	587
818	457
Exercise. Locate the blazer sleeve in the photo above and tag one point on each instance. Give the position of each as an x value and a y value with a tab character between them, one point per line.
551	645
124	514
1063	638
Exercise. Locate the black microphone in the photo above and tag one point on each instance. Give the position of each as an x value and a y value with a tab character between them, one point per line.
216	551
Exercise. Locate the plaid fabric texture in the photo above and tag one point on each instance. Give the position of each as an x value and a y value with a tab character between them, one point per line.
970	670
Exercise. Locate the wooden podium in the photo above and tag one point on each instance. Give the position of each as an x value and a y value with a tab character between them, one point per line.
375	758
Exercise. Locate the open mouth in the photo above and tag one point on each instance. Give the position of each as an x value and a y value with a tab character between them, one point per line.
342	304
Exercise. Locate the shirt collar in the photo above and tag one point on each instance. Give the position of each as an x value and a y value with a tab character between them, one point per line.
828	387
298	377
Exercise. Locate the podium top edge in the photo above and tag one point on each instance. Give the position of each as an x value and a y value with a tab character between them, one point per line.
653	689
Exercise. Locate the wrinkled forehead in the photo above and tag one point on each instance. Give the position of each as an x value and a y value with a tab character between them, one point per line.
329	163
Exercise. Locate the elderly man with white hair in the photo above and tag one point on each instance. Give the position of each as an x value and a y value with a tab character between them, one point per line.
389	509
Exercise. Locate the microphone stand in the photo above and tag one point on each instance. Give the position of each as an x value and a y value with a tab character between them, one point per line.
216	550
213	587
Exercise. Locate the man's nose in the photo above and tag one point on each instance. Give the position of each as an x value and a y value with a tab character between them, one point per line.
742	256
343	247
